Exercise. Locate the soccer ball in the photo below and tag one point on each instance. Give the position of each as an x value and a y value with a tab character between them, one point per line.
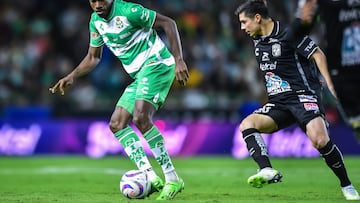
134	184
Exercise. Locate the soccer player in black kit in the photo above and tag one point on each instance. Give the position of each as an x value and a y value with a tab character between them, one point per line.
290	68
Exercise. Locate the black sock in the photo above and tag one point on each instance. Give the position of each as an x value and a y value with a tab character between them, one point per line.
334	160
256	147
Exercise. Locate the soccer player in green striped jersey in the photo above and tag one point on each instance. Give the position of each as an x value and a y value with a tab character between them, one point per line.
128	30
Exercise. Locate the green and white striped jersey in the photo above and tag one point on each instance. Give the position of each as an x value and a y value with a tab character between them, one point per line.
129	35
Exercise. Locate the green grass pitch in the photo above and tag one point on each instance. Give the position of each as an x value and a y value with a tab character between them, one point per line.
76	179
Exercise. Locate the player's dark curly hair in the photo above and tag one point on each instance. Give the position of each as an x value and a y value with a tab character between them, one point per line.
253	7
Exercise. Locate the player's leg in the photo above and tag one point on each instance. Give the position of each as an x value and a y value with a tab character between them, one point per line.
128	138
130	141
152	92
317	132
251	128
143	114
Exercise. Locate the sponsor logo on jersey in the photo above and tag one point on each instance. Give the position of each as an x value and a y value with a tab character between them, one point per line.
94	35
150	62
127	34
272	40
265	56
310	46
275	84
268	66
156	98
145	90
307	98
265	109
144	81
311	107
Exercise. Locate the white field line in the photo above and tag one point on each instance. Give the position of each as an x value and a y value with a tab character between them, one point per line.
116	171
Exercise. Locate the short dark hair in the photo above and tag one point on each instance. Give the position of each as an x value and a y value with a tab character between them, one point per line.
253	7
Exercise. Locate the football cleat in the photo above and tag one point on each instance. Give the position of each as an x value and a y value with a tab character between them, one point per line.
350	193
171	189
264	176
156	185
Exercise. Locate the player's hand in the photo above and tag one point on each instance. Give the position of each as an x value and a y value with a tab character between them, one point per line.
181	72
61	85
308	11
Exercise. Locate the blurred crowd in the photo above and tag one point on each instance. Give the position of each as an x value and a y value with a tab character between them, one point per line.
41	41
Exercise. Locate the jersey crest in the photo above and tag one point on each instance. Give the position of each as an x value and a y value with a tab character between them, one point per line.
276	50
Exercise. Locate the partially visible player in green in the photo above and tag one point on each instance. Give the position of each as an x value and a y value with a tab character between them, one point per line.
128	30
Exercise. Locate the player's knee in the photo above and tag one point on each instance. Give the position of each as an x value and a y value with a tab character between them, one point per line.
143	123
246	124
320	143
115	125
242	127
318	137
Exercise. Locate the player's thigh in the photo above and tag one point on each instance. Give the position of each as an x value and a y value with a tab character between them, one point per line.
261	122
275	116
127	99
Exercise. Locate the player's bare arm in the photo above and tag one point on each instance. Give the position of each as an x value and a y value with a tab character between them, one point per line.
89	62
171	31
321	62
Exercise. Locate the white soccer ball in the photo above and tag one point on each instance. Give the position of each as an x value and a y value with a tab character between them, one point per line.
134	184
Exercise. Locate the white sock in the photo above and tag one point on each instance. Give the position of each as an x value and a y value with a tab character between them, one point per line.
171	176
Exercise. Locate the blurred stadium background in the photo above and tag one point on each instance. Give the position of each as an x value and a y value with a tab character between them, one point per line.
41	41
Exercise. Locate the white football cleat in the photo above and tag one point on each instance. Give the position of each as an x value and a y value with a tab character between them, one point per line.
350	193
264	176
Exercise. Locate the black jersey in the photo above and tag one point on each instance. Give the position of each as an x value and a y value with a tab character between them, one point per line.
285	64
342	19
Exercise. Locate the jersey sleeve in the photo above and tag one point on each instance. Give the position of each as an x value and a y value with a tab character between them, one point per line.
138	15
95	37
305	46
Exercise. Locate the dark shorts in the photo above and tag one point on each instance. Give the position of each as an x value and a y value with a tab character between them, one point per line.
300	109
